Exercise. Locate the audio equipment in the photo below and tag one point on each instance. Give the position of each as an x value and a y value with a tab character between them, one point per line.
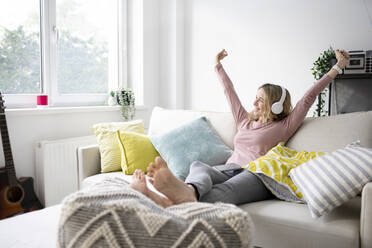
277	107
360	62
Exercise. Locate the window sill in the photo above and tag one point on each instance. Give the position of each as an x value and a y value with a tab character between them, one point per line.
64	110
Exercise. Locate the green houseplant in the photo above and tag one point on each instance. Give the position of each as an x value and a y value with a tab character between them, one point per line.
111	101
321	66
125	98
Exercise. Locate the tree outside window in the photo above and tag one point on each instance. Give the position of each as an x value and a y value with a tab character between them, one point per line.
85	47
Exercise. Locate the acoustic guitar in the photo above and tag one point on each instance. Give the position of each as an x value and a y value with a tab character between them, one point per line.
16	195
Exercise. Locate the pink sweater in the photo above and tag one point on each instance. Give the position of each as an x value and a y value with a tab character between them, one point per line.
254	139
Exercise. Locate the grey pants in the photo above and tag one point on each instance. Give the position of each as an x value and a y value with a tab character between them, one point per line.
236	187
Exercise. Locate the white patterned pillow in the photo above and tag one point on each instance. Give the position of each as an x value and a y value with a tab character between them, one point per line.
330	180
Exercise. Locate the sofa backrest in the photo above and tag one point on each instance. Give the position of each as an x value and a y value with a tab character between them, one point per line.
332	132
315	134
164	120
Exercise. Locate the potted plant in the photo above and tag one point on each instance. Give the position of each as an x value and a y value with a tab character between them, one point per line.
111	101
321	66
125	98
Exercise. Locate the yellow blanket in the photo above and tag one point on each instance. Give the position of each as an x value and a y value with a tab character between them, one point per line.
278	162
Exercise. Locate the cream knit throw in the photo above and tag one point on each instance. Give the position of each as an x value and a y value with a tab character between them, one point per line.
111	214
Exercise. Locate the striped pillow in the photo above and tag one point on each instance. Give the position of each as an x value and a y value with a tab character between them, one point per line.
332	179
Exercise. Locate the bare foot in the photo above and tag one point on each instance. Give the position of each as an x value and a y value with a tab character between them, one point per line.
172	187
139	183
150	170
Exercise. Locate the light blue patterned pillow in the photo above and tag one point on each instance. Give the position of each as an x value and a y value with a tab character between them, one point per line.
194	141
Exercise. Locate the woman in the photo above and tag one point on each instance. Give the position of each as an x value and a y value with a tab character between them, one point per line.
271	121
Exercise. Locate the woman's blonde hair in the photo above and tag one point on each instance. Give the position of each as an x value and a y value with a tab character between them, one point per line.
273	93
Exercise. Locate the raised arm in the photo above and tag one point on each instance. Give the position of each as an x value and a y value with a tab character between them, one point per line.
237	109
294	120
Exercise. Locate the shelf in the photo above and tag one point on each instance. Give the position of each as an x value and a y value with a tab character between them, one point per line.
354	76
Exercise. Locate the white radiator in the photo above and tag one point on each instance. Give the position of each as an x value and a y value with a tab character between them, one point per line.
56	170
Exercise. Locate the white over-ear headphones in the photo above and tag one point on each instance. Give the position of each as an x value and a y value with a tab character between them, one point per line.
277	107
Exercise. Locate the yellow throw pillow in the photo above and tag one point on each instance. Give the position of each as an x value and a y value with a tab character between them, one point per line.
278	162
137	151
108	144
114	126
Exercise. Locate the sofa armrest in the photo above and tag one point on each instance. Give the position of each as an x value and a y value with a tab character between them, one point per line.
366	217
89	162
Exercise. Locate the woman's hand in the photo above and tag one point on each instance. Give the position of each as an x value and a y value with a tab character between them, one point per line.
342	58
220	56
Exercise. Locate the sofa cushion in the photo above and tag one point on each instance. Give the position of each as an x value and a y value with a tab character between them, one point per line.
287	224
330	133
194	141
331	180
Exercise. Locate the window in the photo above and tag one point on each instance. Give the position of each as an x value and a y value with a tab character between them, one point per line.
20	68
72	50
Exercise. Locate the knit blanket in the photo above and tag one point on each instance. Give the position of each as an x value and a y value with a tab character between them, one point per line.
111	214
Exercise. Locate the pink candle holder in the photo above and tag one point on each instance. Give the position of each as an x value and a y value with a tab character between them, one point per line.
42	101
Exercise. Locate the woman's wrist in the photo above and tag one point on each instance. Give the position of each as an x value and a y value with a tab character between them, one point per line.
341	65
332	73
337	68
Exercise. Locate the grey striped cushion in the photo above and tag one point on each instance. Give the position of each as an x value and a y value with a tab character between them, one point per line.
330	180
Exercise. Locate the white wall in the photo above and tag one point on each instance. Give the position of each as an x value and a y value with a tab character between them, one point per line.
26	129
267	41
171	53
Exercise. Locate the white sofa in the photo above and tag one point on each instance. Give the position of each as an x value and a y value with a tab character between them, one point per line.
279	223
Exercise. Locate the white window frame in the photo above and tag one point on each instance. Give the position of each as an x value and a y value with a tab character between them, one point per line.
48	44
